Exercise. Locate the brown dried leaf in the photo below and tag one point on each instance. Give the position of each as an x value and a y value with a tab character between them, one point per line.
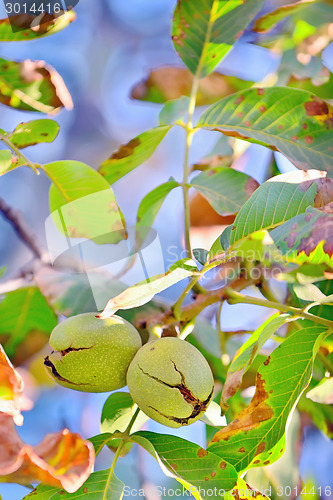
203	214
12	402
62	459
170	83
33	85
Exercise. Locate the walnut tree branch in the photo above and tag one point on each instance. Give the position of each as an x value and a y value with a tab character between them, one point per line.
23	231
200	303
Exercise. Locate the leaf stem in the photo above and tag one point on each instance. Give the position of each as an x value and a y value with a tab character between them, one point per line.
238	298
16	150
125	435
189	136
176	309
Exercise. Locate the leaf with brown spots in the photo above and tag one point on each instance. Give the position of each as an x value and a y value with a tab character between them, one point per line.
94	488
260	426
170	83
33	132
49	25
279	199
307	238
204	31
247	353
243	491
266	22
132	154
62	459
32	86
294	122
187	462
226	189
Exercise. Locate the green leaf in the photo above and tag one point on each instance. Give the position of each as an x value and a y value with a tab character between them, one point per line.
32	86
204	31
225	189
201	255
118	411
144	291
95	488
243	491
280	381
292	121
284	472
187	462
34	132
8	161
23	313
100	441
41	492
275	201
258	246
174	111
266	22
82	203
247	353
2	270
306	238
216	248
55	23
132	154
225	237
152	202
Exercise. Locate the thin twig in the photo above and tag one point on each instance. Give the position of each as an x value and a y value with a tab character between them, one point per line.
23	231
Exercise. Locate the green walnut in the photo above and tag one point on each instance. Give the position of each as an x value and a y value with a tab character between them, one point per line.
92	354
170	381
